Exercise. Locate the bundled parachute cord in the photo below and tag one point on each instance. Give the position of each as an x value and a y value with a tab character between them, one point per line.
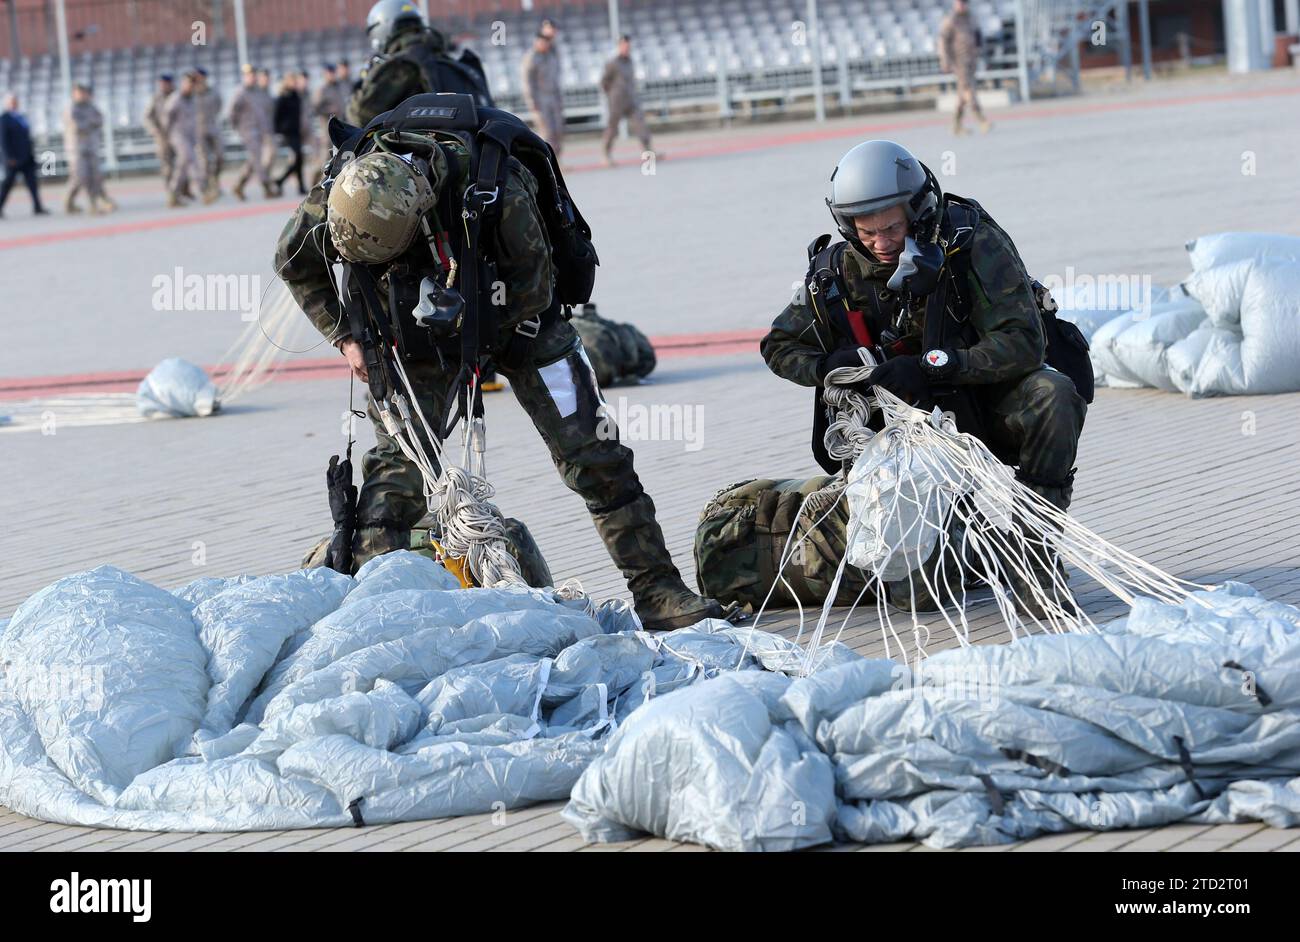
950	509
469	526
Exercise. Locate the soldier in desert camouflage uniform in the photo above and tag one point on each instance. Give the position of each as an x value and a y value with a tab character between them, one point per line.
83	130
154	124
1029	414
618	82
208	126
371	216
543	89
180	121
250	114
959	54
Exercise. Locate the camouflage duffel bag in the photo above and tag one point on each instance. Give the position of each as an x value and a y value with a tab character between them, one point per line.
619	353
519	542
744	529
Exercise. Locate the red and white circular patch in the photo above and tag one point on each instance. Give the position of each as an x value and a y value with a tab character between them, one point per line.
937	358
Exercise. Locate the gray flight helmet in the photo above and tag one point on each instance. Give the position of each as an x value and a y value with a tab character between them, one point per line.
387	18
876	175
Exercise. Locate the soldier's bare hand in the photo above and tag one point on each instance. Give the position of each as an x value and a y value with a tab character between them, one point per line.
356	359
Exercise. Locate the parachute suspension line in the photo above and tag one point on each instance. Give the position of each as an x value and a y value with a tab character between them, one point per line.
929	507
253	358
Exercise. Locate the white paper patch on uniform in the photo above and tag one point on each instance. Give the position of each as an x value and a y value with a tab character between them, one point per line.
558	378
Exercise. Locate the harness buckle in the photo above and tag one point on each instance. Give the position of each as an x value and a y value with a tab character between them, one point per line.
530	328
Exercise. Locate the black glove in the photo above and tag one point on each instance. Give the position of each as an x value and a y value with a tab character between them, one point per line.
903	377
847	356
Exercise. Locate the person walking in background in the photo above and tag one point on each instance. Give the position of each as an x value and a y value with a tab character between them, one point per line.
251	118
308	121
959	54
543	91
154	124
83	132
181	123
619	85
208	102
267	103
287	122
19	155
330	99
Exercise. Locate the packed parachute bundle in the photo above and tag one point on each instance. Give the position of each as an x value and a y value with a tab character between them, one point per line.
1232	327
619	353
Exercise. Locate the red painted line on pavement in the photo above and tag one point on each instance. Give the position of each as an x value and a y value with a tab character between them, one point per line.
36	387
144	225
720	148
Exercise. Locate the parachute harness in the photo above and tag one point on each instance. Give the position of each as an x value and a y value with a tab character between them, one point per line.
931	507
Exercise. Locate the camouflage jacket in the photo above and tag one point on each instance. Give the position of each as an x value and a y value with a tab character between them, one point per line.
250	112
154	121
391	78
618	82
541	76
1003	314
82	126
522	253
958	44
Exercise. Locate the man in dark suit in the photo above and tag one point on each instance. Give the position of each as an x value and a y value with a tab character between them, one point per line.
19	158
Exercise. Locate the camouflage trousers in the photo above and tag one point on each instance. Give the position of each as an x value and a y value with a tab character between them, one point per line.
549	119
257	164
166	156
966	96
635	117
86	175
1035	423
558	390
185	166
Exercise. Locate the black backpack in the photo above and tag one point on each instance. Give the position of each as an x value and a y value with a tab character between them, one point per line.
493	138
460	75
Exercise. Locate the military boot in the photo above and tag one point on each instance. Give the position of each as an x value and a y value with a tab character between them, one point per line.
1046	572
238	189
636	544
70	206
173	201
